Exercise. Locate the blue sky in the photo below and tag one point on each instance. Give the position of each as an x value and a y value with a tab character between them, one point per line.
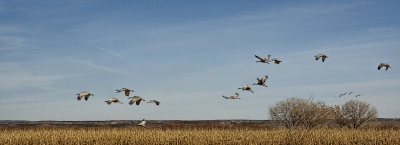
187	54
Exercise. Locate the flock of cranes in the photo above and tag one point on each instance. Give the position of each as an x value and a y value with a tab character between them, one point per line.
260	81
134	99
267	60
348	94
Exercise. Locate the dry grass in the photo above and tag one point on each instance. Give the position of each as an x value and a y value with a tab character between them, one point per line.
194	135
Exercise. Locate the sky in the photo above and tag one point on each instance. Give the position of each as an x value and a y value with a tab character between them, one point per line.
187	54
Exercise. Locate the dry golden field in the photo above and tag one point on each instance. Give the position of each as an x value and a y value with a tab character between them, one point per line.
194	135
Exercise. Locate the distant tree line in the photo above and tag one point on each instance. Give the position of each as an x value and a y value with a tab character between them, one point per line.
298	112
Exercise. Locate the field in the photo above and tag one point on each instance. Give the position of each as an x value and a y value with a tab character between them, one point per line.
199	134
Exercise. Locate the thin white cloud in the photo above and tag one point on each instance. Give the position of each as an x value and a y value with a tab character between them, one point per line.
14	76
93	65
112	53
17	80
198	32
106	50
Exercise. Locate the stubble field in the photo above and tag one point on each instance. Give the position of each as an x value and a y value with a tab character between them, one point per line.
195	135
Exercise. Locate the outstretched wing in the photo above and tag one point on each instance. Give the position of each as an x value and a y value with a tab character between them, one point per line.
261	59
317	57
86	97
264	78
127	92
277	61
138	101
131	102
323	58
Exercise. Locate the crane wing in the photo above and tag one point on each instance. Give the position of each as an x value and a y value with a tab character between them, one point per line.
317	57
323	58
138	101
86	97
261	59
264	78
127	92
379	66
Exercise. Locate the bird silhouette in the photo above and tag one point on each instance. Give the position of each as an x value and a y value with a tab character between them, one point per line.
154	101
263	60
127	91
321	55
277	61
136	99
143	123
246	88
84	94
384	65
112	100
236	96
261	81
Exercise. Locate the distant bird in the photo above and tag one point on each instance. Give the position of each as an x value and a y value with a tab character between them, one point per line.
321	55
136	99
350	93
277	61
127	91
111	100
154	101
143	123
263	60
236	96
343	94
246	88
358	95
384	65
84	94
261	81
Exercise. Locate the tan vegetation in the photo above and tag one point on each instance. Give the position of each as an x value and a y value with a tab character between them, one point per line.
297	112
195	135
354	114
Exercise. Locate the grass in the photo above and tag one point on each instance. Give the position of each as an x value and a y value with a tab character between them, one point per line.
195	135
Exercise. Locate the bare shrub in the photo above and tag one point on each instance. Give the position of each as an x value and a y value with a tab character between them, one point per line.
317	113
354	114
295	112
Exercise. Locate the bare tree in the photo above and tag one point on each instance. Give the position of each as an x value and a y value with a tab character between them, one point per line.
295	112
316	113
354	114
339	118
287	112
